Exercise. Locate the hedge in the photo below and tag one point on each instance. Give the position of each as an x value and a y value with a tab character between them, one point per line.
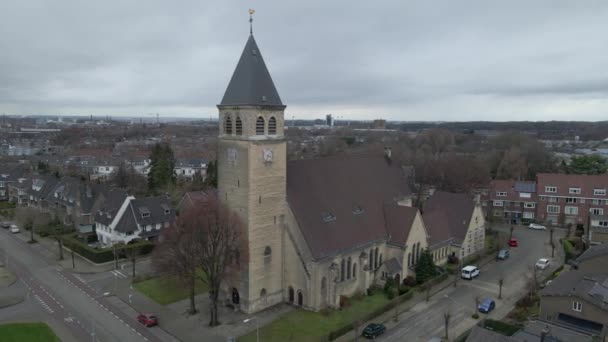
370	315
7	205
99	256
501	327
568	249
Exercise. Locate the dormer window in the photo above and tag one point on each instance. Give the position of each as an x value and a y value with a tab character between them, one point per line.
144	212
145	215
167	211
327	217
166	208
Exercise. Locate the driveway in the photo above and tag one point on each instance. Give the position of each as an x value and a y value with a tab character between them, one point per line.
426	320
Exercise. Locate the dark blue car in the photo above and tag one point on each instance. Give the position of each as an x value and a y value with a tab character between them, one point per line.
374	330
486	305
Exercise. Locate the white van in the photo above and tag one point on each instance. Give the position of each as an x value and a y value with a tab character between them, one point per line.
469	272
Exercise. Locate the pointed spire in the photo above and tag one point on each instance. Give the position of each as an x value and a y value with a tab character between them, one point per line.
251	83
251	11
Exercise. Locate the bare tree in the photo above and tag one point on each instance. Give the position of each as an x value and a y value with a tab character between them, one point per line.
477	300
131	252
206	237
511	232
56	230
501	281
552	242
446	324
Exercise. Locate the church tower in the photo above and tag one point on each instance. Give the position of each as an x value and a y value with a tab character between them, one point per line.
252	175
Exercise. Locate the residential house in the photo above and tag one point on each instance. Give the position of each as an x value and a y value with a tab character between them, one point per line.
533	331
18	189
188	168
512	201
42	187
572	199
456	225
194	199
578	299
126	219
73	199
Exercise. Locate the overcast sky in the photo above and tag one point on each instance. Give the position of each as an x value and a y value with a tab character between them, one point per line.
399	60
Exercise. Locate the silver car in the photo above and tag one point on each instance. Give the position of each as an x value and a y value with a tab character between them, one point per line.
536	226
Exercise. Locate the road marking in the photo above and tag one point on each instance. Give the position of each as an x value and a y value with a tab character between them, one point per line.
79	278
117	273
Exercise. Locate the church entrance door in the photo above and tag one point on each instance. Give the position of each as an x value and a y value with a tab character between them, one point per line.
235	296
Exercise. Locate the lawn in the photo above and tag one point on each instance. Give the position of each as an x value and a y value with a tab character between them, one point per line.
166	289
301	325
27	332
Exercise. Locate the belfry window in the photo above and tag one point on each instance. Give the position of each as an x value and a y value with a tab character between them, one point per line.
259	126
228	125
239	126
272	126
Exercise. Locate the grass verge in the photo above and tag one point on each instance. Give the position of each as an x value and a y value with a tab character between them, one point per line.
166	289
301	325
27	332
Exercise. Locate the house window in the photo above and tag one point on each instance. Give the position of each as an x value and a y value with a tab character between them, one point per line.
596	211
228	125
599	192
259	126
525	195
571	210
596	202
577	306
528	215
543	198
574	191
239	126
497	213
145	214
602	223
553	199
553	209
571	200
498	203
551	189
272	125
501	194
167	211
529	205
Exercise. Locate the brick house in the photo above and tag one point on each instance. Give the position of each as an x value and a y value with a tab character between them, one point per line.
513	201
565	198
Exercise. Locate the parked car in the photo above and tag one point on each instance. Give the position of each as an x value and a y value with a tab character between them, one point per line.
469	272
502	254
542	263
148	320
373	330
486	305
5	225
513	242
536	226
14	229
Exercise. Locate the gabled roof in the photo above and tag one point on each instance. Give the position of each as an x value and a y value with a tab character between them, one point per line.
447	215
594	252
588	286
393	265
564	182
251	83
399	220
339	202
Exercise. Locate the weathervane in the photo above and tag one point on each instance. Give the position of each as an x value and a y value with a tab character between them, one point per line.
251	11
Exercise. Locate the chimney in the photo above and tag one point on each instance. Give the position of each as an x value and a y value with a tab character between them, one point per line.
388	152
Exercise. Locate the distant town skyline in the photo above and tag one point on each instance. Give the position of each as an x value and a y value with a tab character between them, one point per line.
400	61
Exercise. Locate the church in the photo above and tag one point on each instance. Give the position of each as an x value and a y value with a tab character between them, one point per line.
322	228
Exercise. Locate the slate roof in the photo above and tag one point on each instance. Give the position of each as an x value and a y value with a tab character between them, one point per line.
512	188
155	206
594	252
326	194
479	334
195	198
532	331
251	83
447	215
591	287
399	220
71	191
44	186
113	200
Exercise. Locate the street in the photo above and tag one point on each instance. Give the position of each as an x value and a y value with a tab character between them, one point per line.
62	299
426	320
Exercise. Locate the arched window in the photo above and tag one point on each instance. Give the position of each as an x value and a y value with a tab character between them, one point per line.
409	259
371	259
355	270
342	270
380	261
376	258
348	266
272	126
291	295
228	125
300	298
263	293
239	126
259	126
267	254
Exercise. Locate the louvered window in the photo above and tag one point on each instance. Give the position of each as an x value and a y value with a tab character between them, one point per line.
272	126
239	126
259	126
228	125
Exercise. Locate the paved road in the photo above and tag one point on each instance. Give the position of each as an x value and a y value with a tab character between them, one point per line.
426	320
62	297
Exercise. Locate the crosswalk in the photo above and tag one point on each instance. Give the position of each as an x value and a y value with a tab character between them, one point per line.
44	304
118	274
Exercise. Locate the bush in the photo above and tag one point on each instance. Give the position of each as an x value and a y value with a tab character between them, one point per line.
99	256
475	315
568	249
409	281
344	302
425	268
453	260
388	285
403	290
391	293
7	205
501	327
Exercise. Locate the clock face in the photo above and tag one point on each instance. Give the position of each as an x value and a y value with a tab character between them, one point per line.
267	155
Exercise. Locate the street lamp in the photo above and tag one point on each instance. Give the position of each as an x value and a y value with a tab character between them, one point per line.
257	327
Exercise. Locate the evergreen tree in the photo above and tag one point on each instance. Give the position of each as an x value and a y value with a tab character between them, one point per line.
425	268
211	180
162	167
588	165
121	178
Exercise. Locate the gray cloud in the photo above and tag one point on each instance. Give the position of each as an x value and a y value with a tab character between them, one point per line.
413	60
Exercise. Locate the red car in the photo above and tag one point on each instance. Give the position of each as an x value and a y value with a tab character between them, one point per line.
513	242
148	320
